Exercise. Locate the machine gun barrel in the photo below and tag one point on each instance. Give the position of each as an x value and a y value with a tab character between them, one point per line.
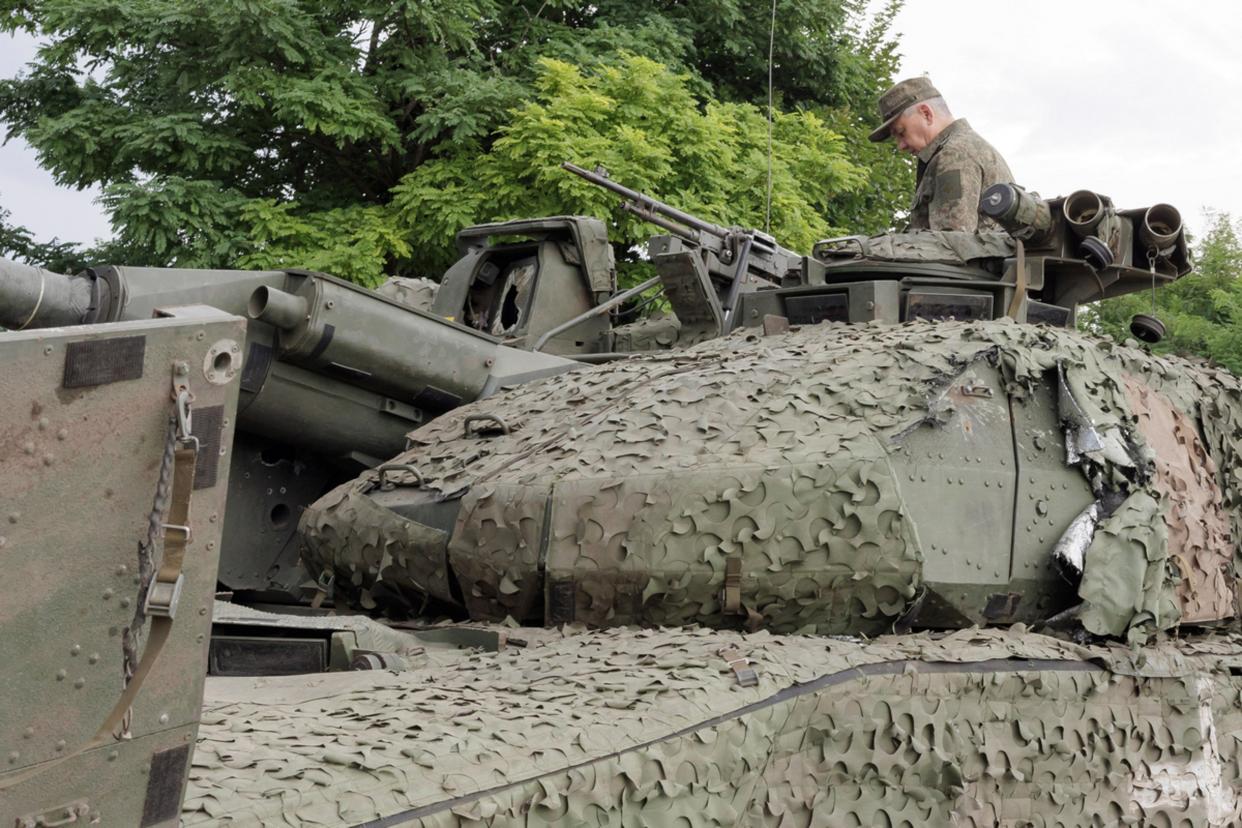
644	205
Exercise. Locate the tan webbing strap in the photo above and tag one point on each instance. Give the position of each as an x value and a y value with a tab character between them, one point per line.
740	665
1019	293
732	595
178	519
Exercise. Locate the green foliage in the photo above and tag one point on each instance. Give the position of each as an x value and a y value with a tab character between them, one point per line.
357	135
641	122
1202	311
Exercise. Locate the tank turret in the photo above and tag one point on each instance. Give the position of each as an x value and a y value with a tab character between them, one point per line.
968	458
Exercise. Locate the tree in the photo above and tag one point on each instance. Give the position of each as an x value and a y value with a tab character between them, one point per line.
1202	311
227	132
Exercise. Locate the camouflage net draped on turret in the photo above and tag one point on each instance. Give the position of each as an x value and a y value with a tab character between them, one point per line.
622	492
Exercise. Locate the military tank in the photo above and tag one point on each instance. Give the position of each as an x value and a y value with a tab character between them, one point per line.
333	375
819	470
1015	545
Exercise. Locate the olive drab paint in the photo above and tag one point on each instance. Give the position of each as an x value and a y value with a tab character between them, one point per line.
114	444
826	460
871	534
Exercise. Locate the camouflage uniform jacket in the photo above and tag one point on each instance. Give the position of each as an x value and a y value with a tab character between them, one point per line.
954	169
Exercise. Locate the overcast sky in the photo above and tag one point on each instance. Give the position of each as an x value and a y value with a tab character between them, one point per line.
1136	99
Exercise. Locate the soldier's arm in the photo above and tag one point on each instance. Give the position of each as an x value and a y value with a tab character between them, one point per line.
955	198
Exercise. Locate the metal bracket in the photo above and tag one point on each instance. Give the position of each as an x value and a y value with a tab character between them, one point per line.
186	534
387	485
975	390
163	597
67	814
484	418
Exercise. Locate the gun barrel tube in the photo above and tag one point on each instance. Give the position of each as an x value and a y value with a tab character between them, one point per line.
355	335
1021	214
647	201
1161	225
1083	211
673	227
275	307
31	297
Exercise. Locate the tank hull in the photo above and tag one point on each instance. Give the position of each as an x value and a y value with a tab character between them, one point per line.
654	727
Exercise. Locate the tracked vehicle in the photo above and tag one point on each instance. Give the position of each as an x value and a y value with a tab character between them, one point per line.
891	544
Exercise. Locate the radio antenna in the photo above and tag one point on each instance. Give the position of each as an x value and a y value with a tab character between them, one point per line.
767	214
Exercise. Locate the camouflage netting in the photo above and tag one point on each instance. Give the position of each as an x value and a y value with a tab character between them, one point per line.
416	292
627	492
942	246
653	727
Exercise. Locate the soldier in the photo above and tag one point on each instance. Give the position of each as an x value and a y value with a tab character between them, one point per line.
955	164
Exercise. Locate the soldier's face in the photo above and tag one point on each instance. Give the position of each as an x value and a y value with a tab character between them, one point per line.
913	130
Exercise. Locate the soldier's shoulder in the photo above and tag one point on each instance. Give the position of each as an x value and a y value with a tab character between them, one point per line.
965	144
963	135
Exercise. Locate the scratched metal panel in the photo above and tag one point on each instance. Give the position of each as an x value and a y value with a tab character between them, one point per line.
79	468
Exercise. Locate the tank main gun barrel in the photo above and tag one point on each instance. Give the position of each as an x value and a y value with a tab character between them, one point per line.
340	330
32	297
375	363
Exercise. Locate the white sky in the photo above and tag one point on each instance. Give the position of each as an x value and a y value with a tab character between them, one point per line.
1137	99
27	191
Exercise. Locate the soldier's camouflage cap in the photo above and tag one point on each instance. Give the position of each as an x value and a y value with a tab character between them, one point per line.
901	96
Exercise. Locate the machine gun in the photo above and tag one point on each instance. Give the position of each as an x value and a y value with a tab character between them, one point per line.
704	267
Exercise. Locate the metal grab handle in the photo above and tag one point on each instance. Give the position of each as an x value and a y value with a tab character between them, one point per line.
599	309
482	418
387	485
